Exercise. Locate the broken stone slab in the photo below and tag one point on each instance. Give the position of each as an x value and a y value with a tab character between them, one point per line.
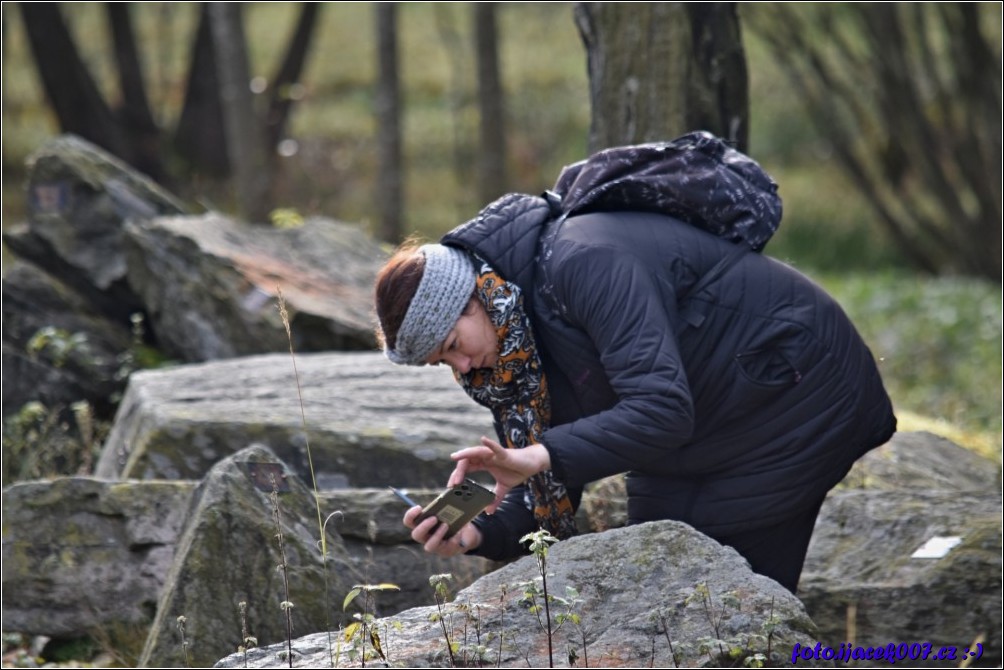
368	422
922	460
79	197
249	539
210	285
82	555
908	566
57	349
637	592
89	557
253	536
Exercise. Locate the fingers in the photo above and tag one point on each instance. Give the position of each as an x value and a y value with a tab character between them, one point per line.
433	542
458	474
411	515
497	449
476	454
474	459
431	534
488	450
420	531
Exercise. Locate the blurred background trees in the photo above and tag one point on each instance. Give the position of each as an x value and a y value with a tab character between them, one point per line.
904	100
885	131
909	98
491	159
389	196
220	132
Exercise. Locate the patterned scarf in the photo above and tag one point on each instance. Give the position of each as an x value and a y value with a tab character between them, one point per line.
515	390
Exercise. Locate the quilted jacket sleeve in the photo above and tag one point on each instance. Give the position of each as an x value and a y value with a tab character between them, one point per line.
502	530
618	303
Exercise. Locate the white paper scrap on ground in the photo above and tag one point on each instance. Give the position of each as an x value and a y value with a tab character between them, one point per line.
937	547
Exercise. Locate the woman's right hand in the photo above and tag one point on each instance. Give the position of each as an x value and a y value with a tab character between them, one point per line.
509	467
431	534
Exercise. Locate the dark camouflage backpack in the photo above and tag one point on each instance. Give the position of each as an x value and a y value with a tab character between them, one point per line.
696	178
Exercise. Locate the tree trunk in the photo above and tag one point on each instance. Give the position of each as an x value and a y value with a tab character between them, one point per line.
68	85
134	113
199	139
658	70
909	99
284	81
389	194
459	99
245	139
492	180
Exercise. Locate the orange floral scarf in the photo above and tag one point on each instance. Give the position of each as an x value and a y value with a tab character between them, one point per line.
515	390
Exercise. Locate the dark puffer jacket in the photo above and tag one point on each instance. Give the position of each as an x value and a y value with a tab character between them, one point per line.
732	406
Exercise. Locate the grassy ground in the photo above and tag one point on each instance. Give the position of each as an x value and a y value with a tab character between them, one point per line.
939	339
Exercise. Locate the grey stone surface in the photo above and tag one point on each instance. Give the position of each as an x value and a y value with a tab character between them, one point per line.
632	583
70	274
82	555
85	354
85	556
210	285
368	422
79	198
862	582
240	530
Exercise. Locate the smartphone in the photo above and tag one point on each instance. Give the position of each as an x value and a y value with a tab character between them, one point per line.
455	506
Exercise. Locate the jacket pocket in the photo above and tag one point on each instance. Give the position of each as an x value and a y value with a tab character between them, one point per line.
769	367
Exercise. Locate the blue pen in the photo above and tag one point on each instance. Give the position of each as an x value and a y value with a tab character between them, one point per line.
403	496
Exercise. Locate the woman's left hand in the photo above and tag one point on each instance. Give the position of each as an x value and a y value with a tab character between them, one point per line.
431	534
509	467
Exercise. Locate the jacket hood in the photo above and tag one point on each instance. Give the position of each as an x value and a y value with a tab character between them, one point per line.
506	233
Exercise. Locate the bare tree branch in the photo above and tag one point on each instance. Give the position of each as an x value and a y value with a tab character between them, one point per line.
909	98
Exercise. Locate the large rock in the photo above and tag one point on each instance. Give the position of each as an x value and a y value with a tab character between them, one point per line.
862	580
57	349
368	422
210	285
72	291
79	198
922	461
89	557
82	555
249	538
637	589
865	582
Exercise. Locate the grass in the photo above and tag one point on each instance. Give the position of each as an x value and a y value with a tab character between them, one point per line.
939	339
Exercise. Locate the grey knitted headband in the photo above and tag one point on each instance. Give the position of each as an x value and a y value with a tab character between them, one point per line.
447	284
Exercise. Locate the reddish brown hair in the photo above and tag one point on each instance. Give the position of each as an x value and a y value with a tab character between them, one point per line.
396	285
